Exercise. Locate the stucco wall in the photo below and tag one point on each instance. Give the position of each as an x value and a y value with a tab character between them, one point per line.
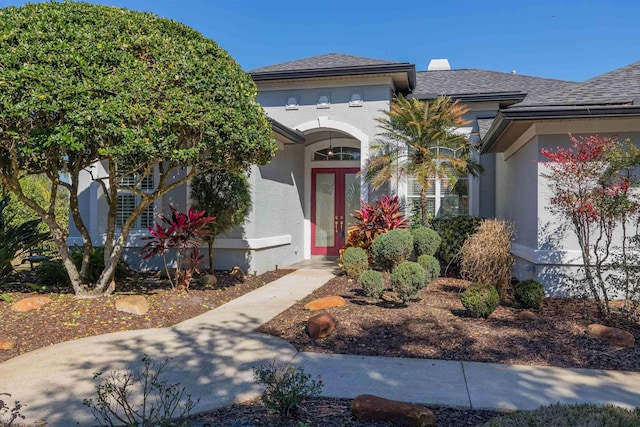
517	192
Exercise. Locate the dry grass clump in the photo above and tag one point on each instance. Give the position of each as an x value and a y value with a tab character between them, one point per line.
486	255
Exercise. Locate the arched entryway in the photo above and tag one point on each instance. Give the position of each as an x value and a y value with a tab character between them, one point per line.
333	189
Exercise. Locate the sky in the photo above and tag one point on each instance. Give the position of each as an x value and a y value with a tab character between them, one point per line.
562	39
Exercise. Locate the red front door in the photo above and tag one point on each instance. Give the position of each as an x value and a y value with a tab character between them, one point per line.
335	193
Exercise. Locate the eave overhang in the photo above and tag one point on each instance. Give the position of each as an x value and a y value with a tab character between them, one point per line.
510	121
404	84
285	134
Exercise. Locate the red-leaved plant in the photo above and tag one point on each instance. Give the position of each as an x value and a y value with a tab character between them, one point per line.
182	232
373	220
591	184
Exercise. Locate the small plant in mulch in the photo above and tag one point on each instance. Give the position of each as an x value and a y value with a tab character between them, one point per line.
285	387
480	299
529	293
162	404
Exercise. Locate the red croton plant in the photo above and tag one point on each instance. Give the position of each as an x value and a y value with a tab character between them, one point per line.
373	220
184	233
592	184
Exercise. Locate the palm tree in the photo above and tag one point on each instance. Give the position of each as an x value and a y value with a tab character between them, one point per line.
413	133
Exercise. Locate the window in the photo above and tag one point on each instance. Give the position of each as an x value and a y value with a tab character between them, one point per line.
356	99
442	198
128	201
324	101
292	103
337	153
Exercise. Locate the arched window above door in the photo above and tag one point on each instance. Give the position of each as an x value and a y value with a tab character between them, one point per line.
337	153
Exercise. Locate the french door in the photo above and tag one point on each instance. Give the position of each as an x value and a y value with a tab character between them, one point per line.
335	193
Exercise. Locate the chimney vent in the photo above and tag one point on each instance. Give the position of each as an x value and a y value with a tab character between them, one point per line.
438	65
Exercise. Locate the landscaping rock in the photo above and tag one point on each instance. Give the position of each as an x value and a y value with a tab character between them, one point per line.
30	303
321	325
7	344
208	280
613	336
326	302
528	316
369	407
239	273
134	304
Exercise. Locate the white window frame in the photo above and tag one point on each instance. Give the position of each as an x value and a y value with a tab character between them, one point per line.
436	192
147	217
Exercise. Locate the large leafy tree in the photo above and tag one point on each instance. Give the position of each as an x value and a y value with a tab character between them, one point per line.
411	144
82	83
225	195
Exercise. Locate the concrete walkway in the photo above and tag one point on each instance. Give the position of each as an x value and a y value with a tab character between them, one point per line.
213	355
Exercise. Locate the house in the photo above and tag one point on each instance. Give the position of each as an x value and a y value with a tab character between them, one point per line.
323	112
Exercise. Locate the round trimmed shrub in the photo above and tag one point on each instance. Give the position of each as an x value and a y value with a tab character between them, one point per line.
407	279
392	248
372	283
431	266
426	241
354	262
480	299
529	293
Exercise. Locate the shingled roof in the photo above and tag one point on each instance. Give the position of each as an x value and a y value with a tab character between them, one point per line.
620	86
339	64
330	60
467	83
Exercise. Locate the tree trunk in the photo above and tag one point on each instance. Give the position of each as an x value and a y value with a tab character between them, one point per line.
423	207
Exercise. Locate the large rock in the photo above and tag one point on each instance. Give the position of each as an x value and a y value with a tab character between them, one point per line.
30	303
208	280
528	316
321	325
7	344
613	336
369	407
133	304
326	302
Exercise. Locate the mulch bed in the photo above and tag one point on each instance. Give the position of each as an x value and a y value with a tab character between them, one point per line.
326	413
68	318
435	326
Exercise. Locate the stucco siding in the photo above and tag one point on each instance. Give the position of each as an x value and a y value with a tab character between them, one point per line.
517	192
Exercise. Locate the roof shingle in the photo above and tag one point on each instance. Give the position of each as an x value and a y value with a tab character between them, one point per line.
619	86
328	61
475	81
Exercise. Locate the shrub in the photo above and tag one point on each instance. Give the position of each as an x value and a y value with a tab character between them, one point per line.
581	415
480	299
15	240
392	248
372	283
373	220
486	255
407	279
53	272
117	397
431	266
354	262
454	231
285	387
529	293
426	241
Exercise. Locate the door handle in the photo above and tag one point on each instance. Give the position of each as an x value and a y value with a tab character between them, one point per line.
335	224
